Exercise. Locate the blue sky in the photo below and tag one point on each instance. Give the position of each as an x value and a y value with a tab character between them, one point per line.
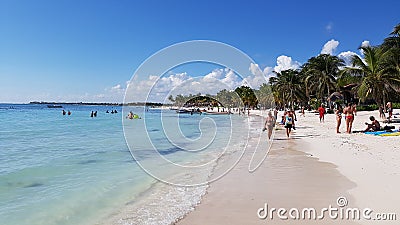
87	50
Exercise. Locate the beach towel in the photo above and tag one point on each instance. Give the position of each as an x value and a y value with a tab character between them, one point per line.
384	133
390	134
377	132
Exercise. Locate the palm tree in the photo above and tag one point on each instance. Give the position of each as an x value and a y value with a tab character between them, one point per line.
265	96
247	96
394	40
225	98
287	87
320	75
378	75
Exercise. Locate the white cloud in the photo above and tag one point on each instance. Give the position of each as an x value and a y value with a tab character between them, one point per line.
262	76
158	89
255	70
330	47
346	56
364	44
284	63
258	76
117	88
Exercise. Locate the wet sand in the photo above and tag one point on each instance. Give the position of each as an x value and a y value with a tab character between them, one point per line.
288	178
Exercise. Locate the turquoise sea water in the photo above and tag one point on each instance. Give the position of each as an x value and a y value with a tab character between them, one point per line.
75	169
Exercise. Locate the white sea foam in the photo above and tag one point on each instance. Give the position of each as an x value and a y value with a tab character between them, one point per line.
165	203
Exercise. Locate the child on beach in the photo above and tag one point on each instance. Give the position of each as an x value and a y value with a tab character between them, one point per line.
321	111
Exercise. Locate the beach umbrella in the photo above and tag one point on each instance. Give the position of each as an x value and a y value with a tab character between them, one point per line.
335	96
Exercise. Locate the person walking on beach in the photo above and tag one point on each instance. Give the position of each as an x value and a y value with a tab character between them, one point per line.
288	121
354	106
302	111
349	113
338	113
276	113
269	124
381	112
389	109
321	111
293	113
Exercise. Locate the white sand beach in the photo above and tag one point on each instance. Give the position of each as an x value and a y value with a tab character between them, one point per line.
312	168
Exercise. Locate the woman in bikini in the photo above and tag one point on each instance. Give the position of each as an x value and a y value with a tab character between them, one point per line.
338	113
349	112
269	124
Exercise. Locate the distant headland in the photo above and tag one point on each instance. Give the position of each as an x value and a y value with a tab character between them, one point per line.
151	104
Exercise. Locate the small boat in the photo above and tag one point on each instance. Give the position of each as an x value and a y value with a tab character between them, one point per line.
54	106
217	113
183	111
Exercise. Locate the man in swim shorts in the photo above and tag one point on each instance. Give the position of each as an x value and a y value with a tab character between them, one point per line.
374	126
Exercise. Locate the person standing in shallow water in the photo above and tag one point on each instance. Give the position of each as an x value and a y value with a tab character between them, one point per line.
91	114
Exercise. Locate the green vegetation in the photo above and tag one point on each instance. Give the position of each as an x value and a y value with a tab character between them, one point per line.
375	78
367	107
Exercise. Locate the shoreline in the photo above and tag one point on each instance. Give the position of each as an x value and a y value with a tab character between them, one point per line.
292	178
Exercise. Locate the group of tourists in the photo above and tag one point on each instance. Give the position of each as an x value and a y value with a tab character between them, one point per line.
347	113
288	120
66	113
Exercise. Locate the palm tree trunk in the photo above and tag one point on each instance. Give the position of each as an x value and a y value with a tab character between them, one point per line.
329	100
384	101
